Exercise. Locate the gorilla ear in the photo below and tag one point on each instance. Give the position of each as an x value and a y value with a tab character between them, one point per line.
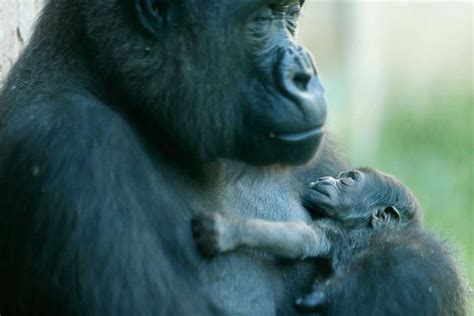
385	215
152	14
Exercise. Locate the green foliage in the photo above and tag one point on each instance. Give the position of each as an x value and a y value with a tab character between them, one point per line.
428	144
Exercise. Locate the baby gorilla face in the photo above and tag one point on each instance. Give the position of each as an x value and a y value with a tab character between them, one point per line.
336	197
357	198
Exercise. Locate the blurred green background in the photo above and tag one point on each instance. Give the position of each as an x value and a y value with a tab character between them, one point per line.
399	82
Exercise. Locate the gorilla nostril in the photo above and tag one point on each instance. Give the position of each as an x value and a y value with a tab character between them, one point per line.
295	72
301	80
297	80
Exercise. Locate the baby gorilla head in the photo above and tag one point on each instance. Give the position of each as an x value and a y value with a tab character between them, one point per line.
364	197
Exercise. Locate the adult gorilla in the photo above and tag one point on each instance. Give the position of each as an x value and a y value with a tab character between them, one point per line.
121	120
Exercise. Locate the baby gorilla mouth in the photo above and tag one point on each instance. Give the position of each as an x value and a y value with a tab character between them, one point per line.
324	186
322	190
321	196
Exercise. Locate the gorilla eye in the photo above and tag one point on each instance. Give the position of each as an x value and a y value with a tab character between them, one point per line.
292	17
294	11
264	16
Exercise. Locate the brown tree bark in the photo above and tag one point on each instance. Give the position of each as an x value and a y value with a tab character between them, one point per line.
16	20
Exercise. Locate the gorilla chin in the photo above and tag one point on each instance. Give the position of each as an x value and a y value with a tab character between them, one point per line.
285	148
299	148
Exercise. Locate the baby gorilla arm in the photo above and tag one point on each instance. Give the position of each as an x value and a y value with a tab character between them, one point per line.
216	233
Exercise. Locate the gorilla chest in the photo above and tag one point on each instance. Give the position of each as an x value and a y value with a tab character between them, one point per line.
249	282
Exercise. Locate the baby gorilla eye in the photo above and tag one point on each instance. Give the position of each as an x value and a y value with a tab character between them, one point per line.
354	175
349	178
347	181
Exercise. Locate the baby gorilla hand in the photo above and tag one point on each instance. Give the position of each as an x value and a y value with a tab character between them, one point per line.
212	233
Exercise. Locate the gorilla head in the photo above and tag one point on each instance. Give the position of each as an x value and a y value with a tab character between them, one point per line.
212	78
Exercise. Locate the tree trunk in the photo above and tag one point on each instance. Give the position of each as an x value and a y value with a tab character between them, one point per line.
16	20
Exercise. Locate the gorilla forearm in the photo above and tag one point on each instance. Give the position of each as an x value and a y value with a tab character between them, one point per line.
216	233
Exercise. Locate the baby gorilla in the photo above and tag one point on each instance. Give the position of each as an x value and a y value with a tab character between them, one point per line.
369	226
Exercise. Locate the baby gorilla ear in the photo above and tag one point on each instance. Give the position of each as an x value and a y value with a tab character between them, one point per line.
384	216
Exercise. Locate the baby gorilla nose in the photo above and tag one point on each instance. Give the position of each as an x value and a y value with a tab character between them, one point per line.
323	181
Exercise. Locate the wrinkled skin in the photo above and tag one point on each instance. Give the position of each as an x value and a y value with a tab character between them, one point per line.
124	118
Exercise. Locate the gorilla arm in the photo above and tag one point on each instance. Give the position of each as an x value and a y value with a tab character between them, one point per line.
216	233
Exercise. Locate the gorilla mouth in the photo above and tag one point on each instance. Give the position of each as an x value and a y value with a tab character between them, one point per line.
302	136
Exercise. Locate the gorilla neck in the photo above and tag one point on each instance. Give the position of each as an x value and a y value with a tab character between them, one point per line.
230	171
270	192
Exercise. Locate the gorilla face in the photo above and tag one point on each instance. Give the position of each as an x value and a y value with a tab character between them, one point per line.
286	106
214	78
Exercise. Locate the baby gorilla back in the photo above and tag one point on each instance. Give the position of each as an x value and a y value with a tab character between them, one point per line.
400	273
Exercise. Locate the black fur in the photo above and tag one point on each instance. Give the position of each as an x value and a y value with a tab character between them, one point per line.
120	121
382	265
407	272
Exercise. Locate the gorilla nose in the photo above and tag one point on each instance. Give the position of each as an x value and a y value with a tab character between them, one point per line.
298	80
302	70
